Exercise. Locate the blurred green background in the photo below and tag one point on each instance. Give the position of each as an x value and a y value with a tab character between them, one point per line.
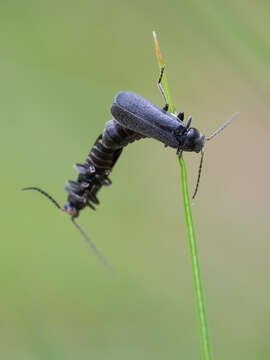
62	63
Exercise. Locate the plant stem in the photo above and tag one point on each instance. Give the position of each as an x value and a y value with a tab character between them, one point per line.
205	343
200	304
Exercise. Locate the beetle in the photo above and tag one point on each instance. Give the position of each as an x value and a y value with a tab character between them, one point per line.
138	114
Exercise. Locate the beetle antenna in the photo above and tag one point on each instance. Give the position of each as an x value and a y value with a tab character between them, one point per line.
199	176
45	194
222	127
93	246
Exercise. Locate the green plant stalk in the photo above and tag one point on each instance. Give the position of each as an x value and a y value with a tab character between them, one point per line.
200	304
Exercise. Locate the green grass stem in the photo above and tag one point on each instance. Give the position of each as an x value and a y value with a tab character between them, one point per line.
200	304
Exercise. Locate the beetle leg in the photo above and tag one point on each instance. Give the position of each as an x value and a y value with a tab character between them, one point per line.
166	107
189	122
181	116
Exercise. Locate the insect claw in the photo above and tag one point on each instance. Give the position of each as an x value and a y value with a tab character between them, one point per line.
81	169
91	205
93	198
179	152
107	182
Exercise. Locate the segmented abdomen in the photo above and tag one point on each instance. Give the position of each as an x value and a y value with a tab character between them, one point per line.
93	174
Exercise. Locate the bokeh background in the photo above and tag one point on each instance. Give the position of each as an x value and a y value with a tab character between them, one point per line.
62	63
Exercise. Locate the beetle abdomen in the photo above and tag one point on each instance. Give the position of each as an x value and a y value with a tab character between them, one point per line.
93	174
116	136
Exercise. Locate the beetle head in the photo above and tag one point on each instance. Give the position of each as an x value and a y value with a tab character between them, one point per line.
193	140
189	139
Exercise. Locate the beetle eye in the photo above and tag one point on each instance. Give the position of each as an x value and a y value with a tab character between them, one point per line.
192	133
